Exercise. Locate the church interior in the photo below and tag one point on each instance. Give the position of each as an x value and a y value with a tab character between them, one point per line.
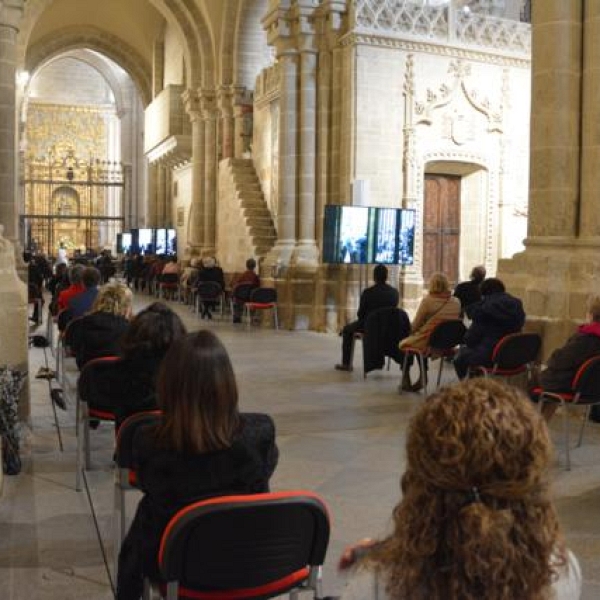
318	137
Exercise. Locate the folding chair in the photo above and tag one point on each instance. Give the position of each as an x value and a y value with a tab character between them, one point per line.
93	403
208	291
585	391
442	343
262	299
169	282
514	354
242	547
240	295
125	476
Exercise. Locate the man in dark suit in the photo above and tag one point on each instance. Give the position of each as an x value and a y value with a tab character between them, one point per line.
380	295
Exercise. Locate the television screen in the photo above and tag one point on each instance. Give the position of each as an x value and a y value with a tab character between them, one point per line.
362	235
125	243
146	241
171	241
161	241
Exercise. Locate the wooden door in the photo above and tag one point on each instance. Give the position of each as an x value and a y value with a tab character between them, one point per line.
441	226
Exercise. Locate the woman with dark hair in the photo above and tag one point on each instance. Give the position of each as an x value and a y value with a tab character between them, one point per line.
203	448
144	345
476	519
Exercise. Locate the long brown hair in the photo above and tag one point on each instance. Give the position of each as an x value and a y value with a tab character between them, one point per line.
475	520
198	394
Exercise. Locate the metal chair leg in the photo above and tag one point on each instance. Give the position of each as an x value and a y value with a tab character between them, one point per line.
275	317
439	377
566	434
586	416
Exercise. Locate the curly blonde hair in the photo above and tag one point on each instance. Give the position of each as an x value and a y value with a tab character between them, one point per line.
475	520
114	298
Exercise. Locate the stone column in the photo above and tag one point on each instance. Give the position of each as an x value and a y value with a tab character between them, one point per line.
10	15
590	150
161	195
195	223
227	121
559	267
241	100
209	114
306	253
158	67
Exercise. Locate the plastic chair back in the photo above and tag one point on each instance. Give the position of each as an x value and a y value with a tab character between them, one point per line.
516	350
263	295
96	382
446	335
248	546
126	435
586	383
209	290
242	292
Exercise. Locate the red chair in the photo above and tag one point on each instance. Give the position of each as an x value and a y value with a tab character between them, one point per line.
585	391
240	547
514	354
93	403
262	299
125	475
443	341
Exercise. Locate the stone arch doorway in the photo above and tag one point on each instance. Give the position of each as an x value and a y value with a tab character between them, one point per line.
455	218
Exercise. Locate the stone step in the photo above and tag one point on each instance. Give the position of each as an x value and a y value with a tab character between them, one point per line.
252	203
248	188
257	213
262	250
262	221
242	162
265	240
244	178
262	232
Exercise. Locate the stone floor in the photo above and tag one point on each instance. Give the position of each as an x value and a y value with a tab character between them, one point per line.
338	435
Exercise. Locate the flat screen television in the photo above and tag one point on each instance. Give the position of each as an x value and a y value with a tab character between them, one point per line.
123	243
142	241
366	235
166	241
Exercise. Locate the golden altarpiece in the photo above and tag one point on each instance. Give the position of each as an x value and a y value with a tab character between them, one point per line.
72	192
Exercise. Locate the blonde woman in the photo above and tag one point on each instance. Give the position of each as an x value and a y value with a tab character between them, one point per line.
475	520
439	305
98	333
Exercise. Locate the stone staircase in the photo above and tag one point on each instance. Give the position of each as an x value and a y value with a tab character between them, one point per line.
245	211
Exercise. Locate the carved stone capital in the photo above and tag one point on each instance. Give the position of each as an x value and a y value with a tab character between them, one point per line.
191	103
11	12
208	104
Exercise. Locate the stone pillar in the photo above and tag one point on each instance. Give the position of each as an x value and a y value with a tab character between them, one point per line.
559	268
195	223
242	103
209	114
152	209
306	254
158	67
227	122
161	195
590	150
10	15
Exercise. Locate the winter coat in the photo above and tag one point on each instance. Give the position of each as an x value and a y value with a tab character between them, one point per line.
170	480
493	317
434	309
564	362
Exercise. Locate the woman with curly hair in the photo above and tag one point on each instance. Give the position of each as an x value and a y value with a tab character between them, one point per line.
475	520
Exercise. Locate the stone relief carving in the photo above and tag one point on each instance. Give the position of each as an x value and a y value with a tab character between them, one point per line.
458	127
408	17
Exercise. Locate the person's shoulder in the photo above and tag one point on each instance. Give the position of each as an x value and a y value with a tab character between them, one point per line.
258	421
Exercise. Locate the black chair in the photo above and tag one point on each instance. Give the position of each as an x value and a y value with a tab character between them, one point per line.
442	343
262	298
241	547
384	329
514	354
93	403
239	296
211	293
125	475
168	282
585	391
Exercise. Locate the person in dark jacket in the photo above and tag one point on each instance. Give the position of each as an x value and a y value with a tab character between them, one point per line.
497	314
99	333
564	362
82	303
142	348
210	272
380	295
469	292
203	448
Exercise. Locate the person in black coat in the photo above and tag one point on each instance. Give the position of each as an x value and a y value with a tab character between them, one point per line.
497	314
99	333
469	292
380	295
210	272
564	362
142	348
203	448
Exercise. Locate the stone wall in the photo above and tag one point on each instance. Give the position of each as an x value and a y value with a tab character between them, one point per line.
173	57
182	201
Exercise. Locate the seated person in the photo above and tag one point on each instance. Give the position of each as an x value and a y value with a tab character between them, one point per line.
249	276
82	303
469	292
75	287
203	448
35	275
564	362
171	266
379	295
142	348
210	272
476	519
439	305
99	332
497	314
